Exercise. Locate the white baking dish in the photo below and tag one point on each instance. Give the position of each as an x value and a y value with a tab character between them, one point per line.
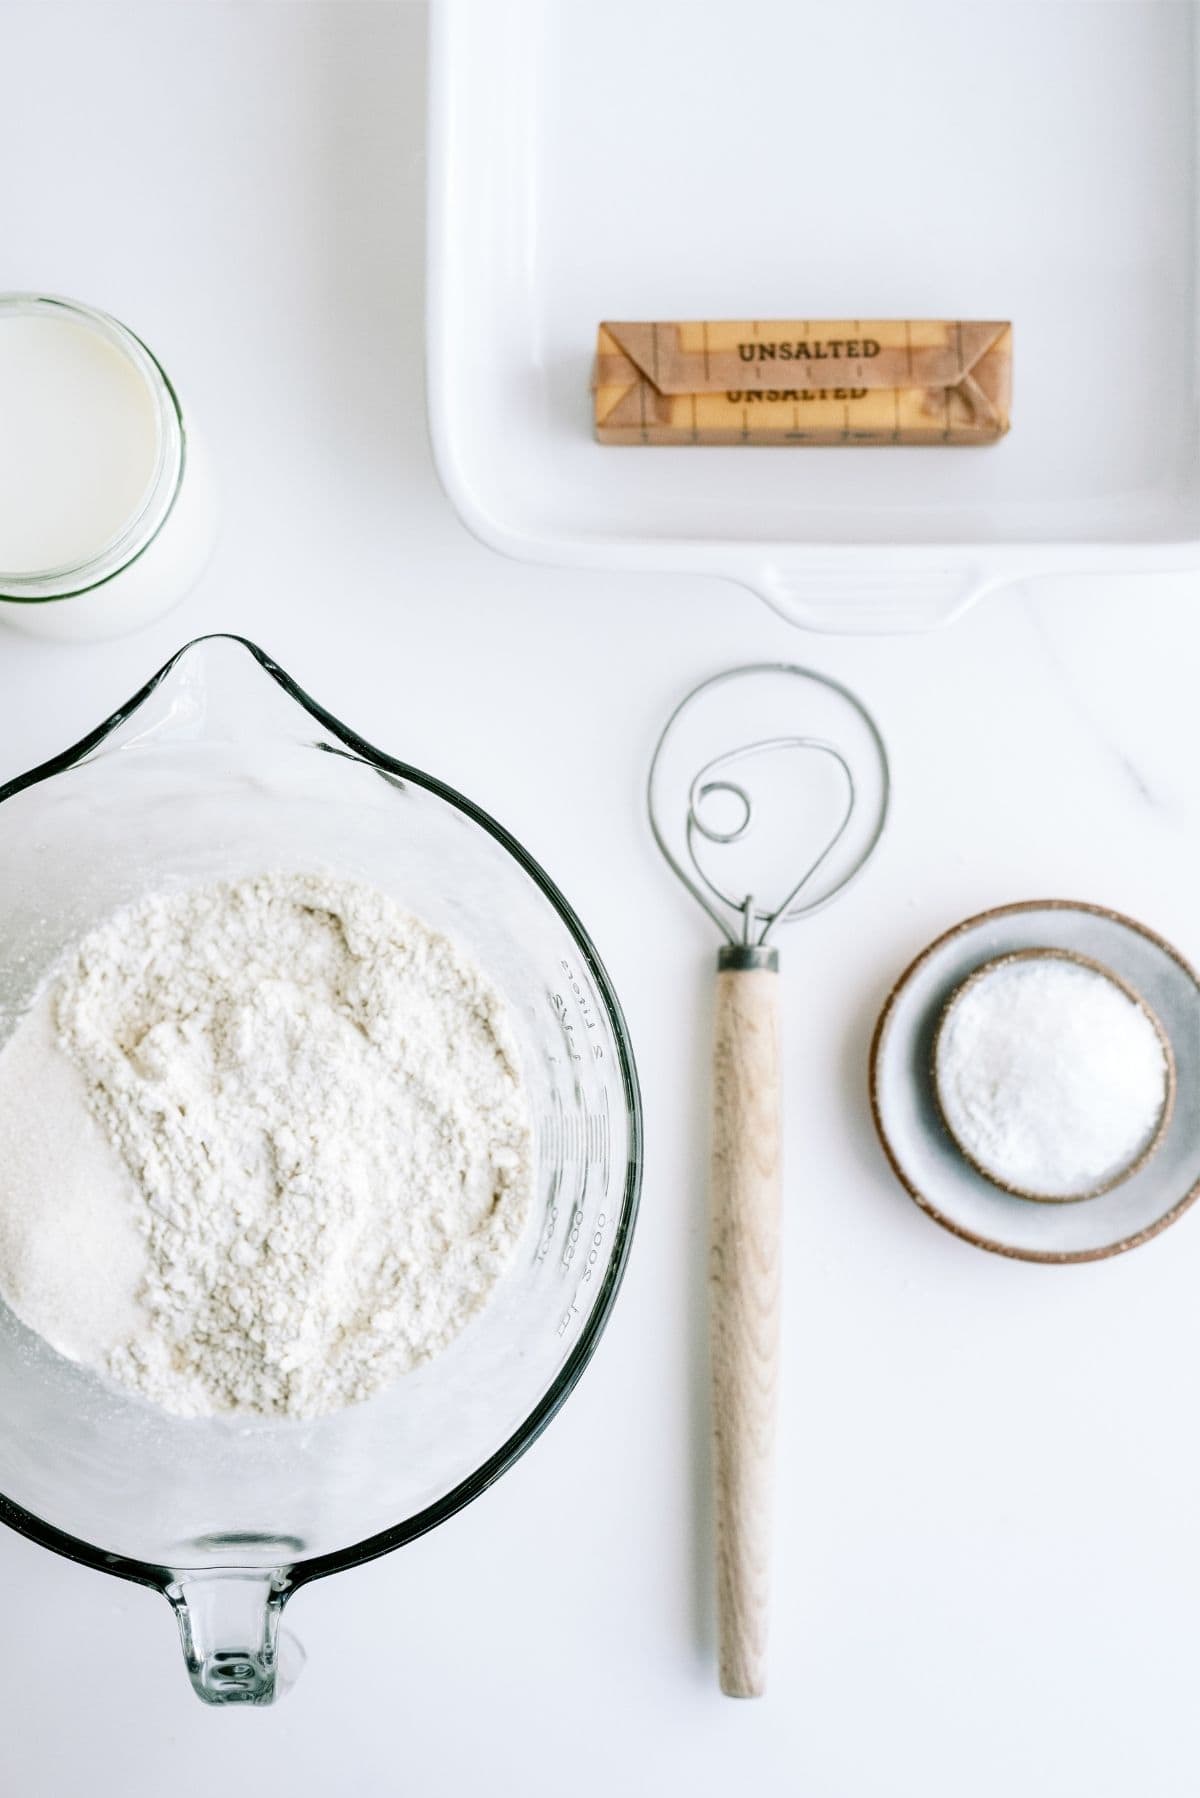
615	159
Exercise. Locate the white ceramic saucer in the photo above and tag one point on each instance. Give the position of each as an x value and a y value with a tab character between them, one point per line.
916	1142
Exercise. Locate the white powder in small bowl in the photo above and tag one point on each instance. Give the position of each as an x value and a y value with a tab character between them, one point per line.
1053	1078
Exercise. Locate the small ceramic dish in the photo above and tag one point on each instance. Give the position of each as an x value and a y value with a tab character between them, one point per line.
1144	1149
929	1164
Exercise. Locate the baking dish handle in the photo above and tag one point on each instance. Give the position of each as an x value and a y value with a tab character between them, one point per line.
848	598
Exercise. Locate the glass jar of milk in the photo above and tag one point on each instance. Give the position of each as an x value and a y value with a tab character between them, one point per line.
106	503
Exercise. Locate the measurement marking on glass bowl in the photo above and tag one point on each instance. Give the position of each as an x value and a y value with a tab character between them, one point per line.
595	1245
572	1242
550	1135
543	1248
587	1143
585	1006
576	1045
585	1137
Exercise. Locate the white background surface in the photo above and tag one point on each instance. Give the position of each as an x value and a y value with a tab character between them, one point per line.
988	1569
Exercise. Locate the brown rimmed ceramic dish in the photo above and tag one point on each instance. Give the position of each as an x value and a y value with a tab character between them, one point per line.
1145	1150
928	1163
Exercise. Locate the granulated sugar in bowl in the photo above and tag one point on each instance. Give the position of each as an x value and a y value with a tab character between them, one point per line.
1053	1077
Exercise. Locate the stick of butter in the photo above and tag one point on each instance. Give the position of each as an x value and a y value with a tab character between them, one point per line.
821	381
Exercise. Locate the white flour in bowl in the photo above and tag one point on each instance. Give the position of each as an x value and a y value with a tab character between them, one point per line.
313	1157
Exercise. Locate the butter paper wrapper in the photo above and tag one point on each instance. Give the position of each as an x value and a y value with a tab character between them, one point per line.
816	381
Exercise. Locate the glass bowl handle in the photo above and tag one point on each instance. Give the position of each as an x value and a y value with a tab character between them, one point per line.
229	1628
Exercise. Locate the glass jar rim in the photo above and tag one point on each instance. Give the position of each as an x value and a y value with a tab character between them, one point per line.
144	524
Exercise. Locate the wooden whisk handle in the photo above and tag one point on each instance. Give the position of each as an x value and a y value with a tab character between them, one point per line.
744	1303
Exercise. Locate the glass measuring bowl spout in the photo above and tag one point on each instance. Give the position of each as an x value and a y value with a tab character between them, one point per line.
221	767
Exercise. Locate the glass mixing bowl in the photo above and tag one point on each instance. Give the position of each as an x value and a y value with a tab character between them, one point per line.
220	767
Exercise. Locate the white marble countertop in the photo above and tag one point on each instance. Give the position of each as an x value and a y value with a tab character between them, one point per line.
988	1566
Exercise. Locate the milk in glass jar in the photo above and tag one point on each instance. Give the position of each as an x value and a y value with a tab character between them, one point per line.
106	502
